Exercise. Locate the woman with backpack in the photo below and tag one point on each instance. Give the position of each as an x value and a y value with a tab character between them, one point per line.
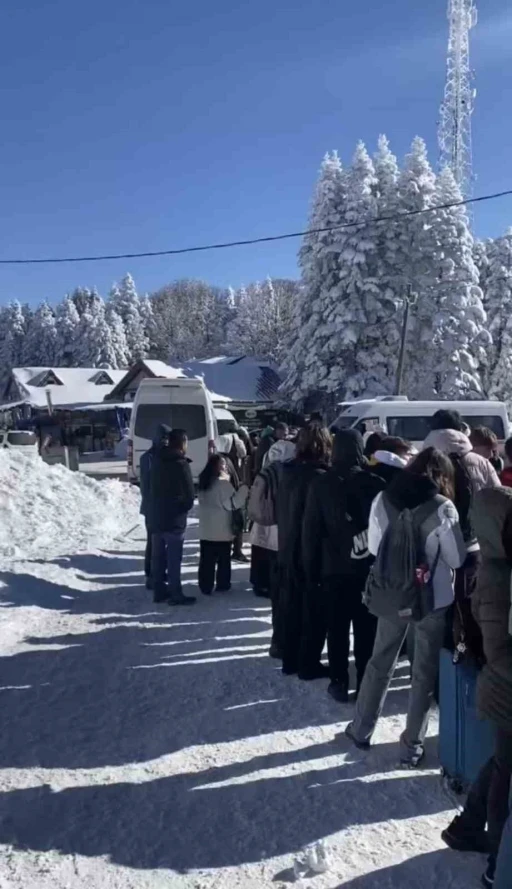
416	537
218	504
301	616
336	557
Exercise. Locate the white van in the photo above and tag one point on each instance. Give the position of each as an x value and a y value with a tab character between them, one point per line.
19	440
178	403
411	419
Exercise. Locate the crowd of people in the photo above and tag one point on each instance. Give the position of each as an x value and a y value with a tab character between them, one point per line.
406	551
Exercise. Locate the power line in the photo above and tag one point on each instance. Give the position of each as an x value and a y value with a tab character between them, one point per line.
249	241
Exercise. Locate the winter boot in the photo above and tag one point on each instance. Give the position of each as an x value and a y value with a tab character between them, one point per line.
362	745
459	836
181	599
339	691
315	671
488	876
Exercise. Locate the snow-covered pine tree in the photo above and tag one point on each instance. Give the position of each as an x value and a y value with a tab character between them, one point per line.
149	324
308	356
82	298
119	346
352	307
95	346
125	301
67	322
40	346
241	335
416	185
456	315
498	306
380	336
11	354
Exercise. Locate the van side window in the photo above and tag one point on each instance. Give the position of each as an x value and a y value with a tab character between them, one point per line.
494	423
368	424
190	417
410	428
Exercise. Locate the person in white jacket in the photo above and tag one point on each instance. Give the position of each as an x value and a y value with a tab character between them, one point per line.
218	501
429	477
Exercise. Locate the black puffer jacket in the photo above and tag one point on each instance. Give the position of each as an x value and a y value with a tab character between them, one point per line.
492	521
335	526
172	492
296	478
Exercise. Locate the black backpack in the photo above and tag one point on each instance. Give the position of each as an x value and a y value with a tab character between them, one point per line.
400	583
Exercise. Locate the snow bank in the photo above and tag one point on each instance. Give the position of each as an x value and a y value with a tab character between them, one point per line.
48	510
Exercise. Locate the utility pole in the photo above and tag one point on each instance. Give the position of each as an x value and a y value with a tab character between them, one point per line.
410	299
455	142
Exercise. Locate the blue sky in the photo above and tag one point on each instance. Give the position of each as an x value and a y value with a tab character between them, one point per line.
148	124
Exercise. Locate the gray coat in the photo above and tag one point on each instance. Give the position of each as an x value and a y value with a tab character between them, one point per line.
491	604
216	507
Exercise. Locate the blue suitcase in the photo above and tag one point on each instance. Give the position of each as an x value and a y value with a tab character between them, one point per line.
466	742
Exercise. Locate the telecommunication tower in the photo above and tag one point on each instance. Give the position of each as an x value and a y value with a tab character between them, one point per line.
459	96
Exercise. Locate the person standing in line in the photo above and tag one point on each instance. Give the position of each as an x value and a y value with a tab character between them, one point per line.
473	472
336	556
161	440
427	482
301	617
218	500
232	448
488	798
392	455
268	437
485	443
171	499
265	574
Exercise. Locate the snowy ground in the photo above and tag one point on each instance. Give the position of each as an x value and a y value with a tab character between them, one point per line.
150	748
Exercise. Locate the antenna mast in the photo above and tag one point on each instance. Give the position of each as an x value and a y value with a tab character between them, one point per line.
455	120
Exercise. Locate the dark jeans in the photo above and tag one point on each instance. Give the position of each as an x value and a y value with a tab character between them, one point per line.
167	553
488	798
147	554
214	559
344	605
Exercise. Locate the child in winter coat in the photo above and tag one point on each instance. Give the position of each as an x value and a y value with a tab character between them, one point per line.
218	502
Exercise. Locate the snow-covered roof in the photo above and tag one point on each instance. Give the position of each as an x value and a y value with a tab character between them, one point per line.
67	385
239	379
160	369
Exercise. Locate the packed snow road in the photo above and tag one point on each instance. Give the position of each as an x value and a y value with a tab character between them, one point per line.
144	747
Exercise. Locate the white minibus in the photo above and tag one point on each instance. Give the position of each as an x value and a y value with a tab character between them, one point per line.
178	403
400	417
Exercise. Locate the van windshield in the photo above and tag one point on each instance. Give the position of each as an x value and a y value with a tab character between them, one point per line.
190	417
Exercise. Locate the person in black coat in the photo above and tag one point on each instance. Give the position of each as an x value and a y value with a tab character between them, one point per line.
161	440
171	498
336	557
301	622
